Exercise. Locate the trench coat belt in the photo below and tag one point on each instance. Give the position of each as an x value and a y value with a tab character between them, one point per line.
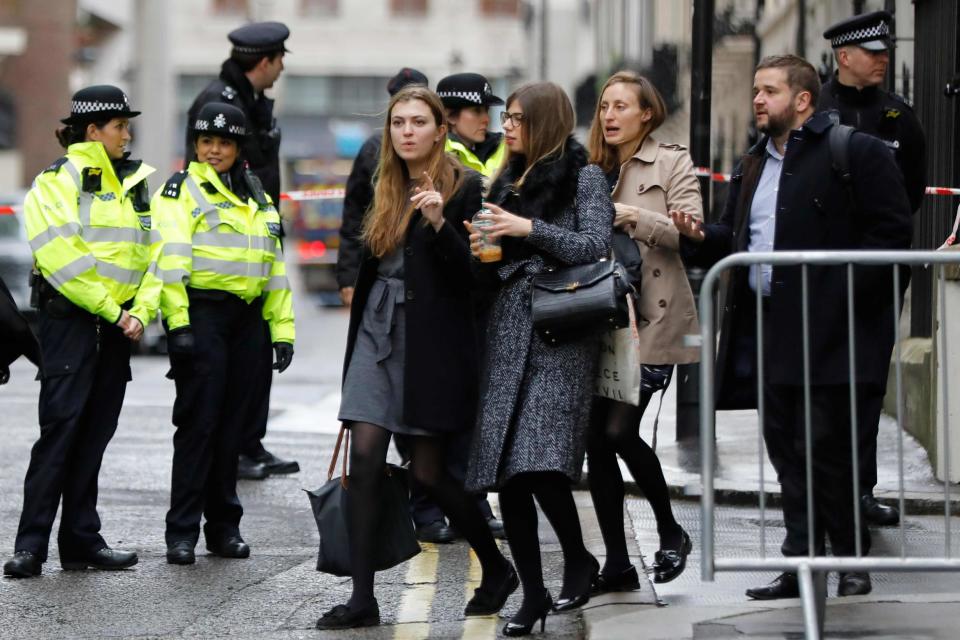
385	295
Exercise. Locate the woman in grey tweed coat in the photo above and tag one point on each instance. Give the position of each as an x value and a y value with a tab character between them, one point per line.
550	209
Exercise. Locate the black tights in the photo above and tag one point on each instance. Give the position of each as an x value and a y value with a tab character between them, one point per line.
614	430
368	454
552	490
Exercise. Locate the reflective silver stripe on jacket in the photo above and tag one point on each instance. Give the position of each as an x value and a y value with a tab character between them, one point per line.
65	230
209	210
70	271
230	268
234	241
184	249
117	234
121	275
175	276
277	283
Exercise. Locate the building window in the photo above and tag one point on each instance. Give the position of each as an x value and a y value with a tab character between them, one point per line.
408	7
230	7
507	8
318	8
335	95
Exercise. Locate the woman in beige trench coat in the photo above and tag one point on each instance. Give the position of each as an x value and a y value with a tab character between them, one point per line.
648	180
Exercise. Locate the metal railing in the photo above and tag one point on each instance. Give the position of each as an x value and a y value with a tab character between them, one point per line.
812	570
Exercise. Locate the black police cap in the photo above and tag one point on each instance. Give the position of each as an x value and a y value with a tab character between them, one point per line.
466	90
405	77
220	119
870	31
99	102
260	38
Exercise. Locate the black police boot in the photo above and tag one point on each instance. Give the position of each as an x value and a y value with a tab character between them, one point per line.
181	553
250	469
23	564
228	547
854	584
275	465
877	513
105	559
437	531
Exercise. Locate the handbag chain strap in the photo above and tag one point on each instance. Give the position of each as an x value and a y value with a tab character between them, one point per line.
336	454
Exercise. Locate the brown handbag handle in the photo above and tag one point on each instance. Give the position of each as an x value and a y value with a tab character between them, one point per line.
336	454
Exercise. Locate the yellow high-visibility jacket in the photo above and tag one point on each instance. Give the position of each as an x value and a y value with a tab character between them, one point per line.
470	160
214	240
90	233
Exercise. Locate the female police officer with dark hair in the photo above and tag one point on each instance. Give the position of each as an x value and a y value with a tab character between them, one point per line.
88	221
223	274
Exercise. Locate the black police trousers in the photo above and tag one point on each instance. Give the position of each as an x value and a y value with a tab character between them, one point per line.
86	367
255	425
215	394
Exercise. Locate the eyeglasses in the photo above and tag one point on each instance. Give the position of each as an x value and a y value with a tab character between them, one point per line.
516	119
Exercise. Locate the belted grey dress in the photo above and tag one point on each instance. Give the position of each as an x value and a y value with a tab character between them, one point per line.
373	388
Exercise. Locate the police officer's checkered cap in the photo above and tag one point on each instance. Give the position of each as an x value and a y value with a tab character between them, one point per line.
472	96
84	106
880	31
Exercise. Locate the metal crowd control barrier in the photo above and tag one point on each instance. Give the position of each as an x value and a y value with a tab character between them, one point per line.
812	570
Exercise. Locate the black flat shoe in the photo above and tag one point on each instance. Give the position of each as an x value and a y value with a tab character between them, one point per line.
181	553
854	584
229	547
485	603
105	559
879	514
626	580
785	585
23	564
496	528
343	617
577	601
670	563
522	623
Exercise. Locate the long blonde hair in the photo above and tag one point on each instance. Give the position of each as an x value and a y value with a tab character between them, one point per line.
606	155
385	224
548	121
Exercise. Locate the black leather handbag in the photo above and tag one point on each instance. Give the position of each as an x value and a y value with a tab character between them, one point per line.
573	302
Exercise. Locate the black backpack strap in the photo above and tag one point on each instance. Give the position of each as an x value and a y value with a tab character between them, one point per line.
840	155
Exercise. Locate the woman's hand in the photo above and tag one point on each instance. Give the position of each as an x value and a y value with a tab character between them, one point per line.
475	239
626	216
688	225
430	203
505	223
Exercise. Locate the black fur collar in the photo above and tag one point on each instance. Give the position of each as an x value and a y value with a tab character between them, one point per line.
550	187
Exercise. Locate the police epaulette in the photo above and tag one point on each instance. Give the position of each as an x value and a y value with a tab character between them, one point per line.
229	93
172	188
53	168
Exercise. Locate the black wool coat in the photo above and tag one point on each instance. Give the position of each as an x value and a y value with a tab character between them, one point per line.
814	211
16	338
440	374
356	201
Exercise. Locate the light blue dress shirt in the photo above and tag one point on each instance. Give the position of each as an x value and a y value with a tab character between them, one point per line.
763	215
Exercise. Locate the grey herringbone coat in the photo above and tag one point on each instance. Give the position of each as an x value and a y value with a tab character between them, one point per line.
535	398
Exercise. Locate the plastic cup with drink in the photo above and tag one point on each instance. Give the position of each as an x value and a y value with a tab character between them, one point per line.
490	250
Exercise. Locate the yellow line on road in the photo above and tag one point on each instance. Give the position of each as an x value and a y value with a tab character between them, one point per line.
413	616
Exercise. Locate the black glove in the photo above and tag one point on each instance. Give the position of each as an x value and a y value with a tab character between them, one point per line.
284	351
180	344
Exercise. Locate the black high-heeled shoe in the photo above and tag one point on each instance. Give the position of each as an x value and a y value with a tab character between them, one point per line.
518	626
582	598
485	603
626	580
669	564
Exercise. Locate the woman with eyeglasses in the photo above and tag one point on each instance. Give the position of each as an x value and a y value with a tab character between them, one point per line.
550	208
648	179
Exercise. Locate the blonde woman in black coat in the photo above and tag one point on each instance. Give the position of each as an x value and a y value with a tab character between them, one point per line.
411	362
